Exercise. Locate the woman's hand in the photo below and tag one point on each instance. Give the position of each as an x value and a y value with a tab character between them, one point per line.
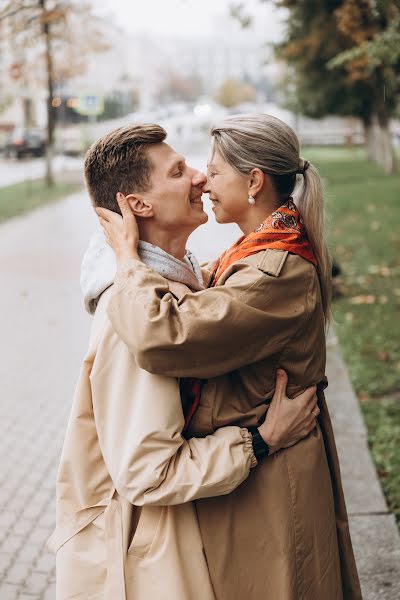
289	419
122	233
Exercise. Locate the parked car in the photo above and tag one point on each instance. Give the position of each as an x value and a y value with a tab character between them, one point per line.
24	142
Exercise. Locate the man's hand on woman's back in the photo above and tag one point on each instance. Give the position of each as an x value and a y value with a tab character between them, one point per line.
289	419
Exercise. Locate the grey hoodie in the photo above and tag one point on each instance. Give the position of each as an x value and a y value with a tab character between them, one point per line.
99	267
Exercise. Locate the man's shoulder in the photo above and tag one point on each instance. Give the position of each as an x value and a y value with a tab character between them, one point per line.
101	324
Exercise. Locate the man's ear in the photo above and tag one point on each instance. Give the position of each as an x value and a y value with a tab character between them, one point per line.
139	206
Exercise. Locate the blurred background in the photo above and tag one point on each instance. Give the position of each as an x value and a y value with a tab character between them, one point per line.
71	71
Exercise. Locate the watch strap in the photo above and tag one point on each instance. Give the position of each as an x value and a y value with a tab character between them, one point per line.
260	447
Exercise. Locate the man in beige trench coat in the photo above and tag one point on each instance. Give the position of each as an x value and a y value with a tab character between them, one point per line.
265	311
126	527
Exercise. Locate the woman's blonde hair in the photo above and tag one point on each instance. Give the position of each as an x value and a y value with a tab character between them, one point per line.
267	143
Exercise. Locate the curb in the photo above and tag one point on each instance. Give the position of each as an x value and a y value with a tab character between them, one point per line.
376	539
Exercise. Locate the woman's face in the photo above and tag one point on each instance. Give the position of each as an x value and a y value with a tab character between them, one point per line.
227	189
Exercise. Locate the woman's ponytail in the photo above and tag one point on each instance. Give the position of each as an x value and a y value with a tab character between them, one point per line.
309	200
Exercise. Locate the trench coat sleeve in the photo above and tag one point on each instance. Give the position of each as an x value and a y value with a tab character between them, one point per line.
211	332
139	420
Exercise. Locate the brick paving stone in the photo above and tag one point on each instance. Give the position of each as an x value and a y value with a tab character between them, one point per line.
18	573
6	559
12	543
38	536
7	518
22	527
28	554
50	593
35	583
45	563
8	592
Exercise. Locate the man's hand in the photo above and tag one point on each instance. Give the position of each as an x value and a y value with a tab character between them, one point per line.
122	233
289	420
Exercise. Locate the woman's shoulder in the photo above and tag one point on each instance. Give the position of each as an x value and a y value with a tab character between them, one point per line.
268	266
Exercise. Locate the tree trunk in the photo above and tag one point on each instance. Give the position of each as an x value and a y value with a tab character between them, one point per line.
387	158
369	135
50	108
378	143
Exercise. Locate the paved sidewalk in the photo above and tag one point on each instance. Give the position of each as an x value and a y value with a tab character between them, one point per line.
44	334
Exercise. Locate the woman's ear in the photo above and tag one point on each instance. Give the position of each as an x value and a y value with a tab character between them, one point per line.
140	207
256	181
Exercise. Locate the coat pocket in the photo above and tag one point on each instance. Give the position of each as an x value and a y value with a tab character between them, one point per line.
147	531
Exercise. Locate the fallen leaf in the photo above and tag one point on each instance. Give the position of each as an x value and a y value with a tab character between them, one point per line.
383	299
363	299
384	355
375	226
382	270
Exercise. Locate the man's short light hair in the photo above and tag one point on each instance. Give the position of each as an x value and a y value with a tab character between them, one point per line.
118	162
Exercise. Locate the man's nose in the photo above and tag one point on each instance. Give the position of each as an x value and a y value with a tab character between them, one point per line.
198	179
206	186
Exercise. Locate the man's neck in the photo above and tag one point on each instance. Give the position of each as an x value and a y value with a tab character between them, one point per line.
173	243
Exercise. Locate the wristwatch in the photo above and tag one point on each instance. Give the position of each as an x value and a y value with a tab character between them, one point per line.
260	447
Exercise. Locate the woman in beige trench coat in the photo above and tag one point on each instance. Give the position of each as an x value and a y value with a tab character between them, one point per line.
268	306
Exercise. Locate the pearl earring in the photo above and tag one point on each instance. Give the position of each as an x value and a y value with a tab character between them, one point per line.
251	200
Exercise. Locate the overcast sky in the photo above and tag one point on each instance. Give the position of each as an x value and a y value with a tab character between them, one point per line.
186	18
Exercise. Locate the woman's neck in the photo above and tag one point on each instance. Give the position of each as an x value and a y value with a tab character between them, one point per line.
266	203
254	218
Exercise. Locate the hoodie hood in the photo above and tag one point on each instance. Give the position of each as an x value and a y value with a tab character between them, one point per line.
99	267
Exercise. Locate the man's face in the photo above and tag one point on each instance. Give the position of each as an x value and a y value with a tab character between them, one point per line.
176	190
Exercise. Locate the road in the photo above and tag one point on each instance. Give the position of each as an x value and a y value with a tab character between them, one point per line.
14	171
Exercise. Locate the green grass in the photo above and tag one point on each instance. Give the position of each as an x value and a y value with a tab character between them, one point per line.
364	210
383	422
23	197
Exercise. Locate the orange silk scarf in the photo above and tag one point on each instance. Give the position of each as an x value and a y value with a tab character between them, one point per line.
283	230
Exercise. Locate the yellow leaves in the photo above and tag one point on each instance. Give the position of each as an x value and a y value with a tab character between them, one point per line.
363	299
354	20
383	355
364	396
381	270
368	299
375	225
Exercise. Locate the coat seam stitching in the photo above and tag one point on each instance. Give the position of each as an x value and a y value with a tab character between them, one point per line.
294	515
